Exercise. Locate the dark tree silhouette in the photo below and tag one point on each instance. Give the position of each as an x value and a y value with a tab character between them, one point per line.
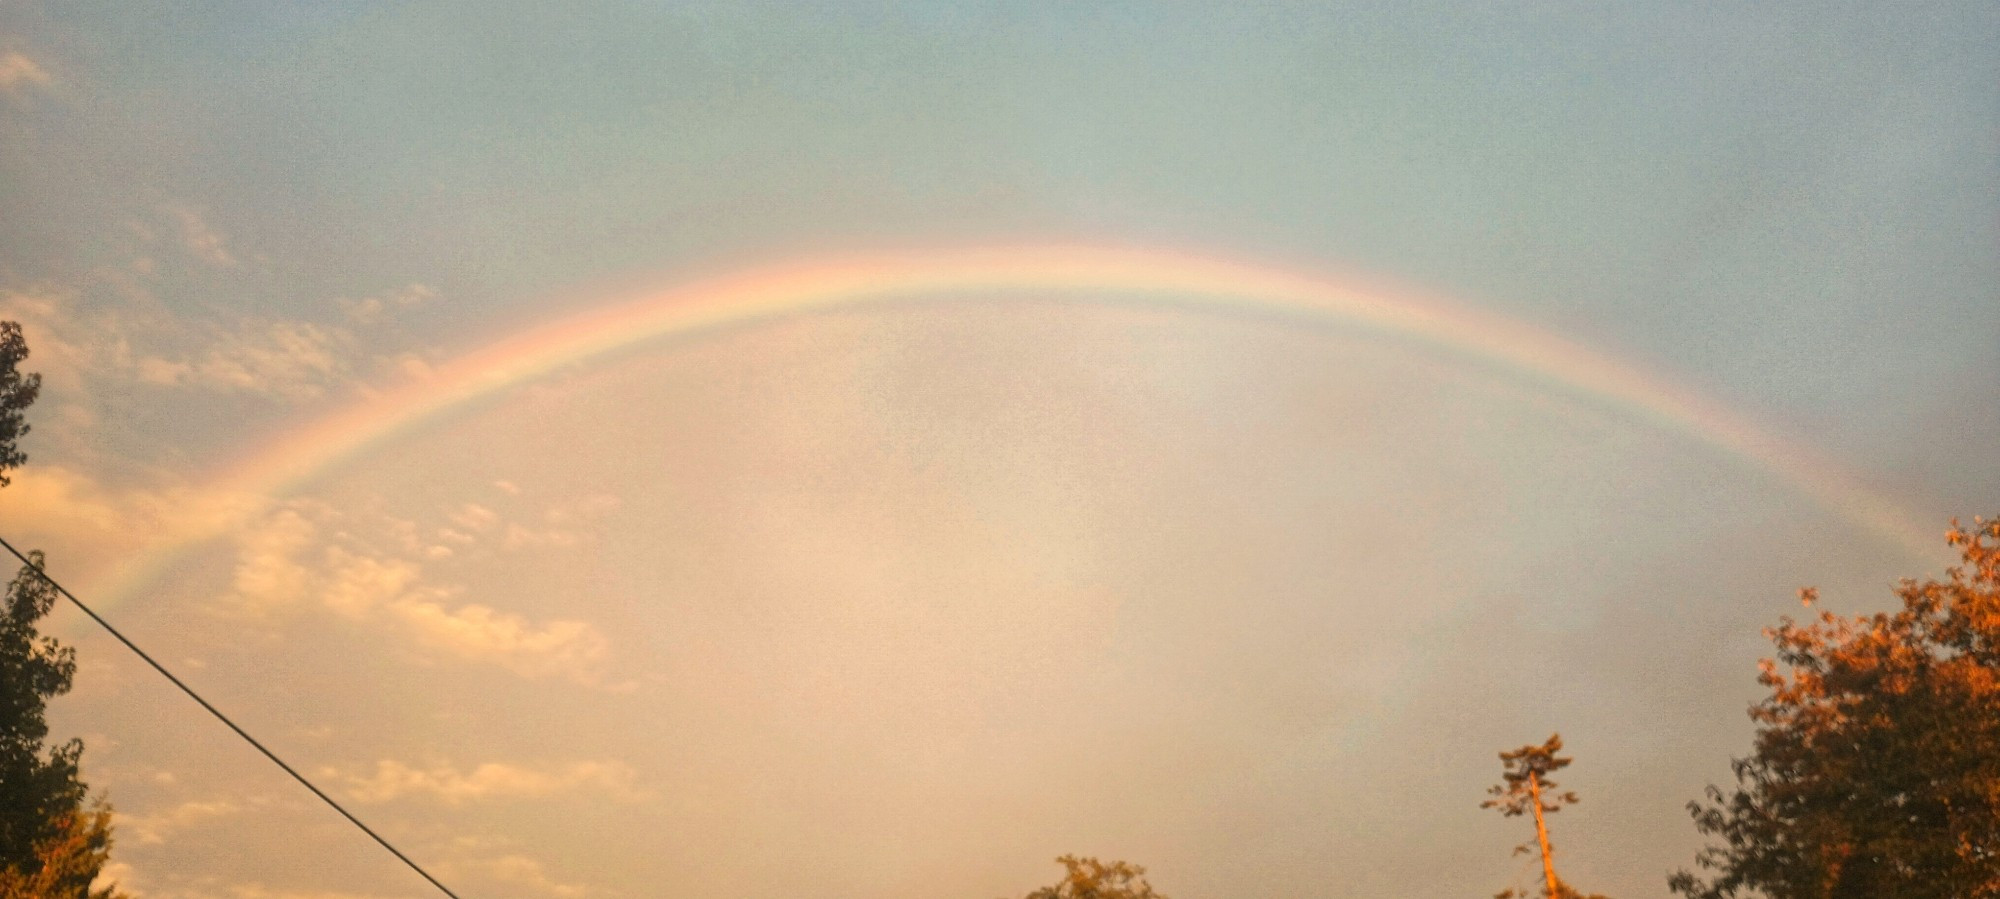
17	393
53	838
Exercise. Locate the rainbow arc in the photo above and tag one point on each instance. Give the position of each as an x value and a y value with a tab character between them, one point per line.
1168	279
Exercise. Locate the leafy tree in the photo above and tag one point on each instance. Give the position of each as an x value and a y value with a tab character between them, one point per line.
17	392
38	790
1088	878
1876	763
53	838
1524	788
68	861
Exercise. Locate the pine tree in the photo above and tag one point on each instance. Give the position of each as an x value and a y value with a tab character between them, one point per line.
1088	878
1525	788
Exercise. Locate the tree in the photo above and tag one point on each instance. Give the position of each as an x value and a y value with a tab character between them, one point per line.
53	837
17	392
1525	787
1875	768
1088	878
68	861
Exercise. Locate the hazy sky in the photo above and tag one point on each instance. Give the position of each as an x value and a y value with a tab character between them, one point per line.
905	600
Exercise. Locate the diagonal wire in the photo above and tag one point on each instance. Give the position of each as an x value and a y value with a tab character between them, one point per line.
44	575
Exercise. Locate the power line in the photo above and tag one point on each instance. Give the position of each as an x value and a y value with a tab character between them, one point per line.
316	791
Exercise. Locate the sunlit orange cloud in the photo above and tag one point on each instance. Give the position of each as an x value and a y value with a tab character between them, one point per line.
1164	279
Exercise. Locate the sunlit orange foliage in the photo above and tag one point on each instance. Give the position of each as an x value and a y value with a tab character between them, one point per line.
1088	878
1876	769
66	862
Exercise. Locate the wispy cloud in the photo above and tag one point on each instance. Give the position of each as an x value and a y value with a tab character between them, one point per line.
130	883
71	350
154	829
393	780
268	574
522	871
372	310
18	73
300	556
286	562
119	874
566	523
83	338
259	891
569	649
289	359
83	516
199	238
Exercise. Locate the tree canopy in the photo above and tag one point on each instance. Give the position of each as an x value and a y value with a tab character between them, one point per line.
1875	769
1088	878
17	393
1524	780
38	788
67	861
54	839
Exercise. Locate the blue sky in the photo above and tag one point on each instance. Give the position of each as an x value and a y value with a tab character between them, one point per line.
1320	577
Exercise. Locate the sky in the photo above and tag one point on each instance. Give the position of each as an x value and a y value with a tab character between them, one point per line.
406	391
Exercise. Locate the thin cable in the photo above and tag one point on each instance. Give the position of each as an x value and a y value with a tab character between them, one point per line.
44	575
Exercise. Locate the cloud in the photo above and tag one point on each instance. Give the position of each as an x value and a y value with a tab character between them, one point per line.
372	310
119	874
199	238
567	523
69	349
571	649
474	517
285	562
268	573
392	780
288	359
256	890
503	865
527	872
152	830
112	330
87	519
129	883
356	584
18	73
302	556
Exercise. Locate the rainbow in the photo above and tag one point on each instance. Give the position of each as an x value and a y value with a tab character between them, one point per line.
1169	279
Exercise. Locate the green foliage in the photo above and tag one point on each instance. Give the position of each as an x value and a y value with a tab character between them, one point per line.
1088	878
1876	764
17	392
